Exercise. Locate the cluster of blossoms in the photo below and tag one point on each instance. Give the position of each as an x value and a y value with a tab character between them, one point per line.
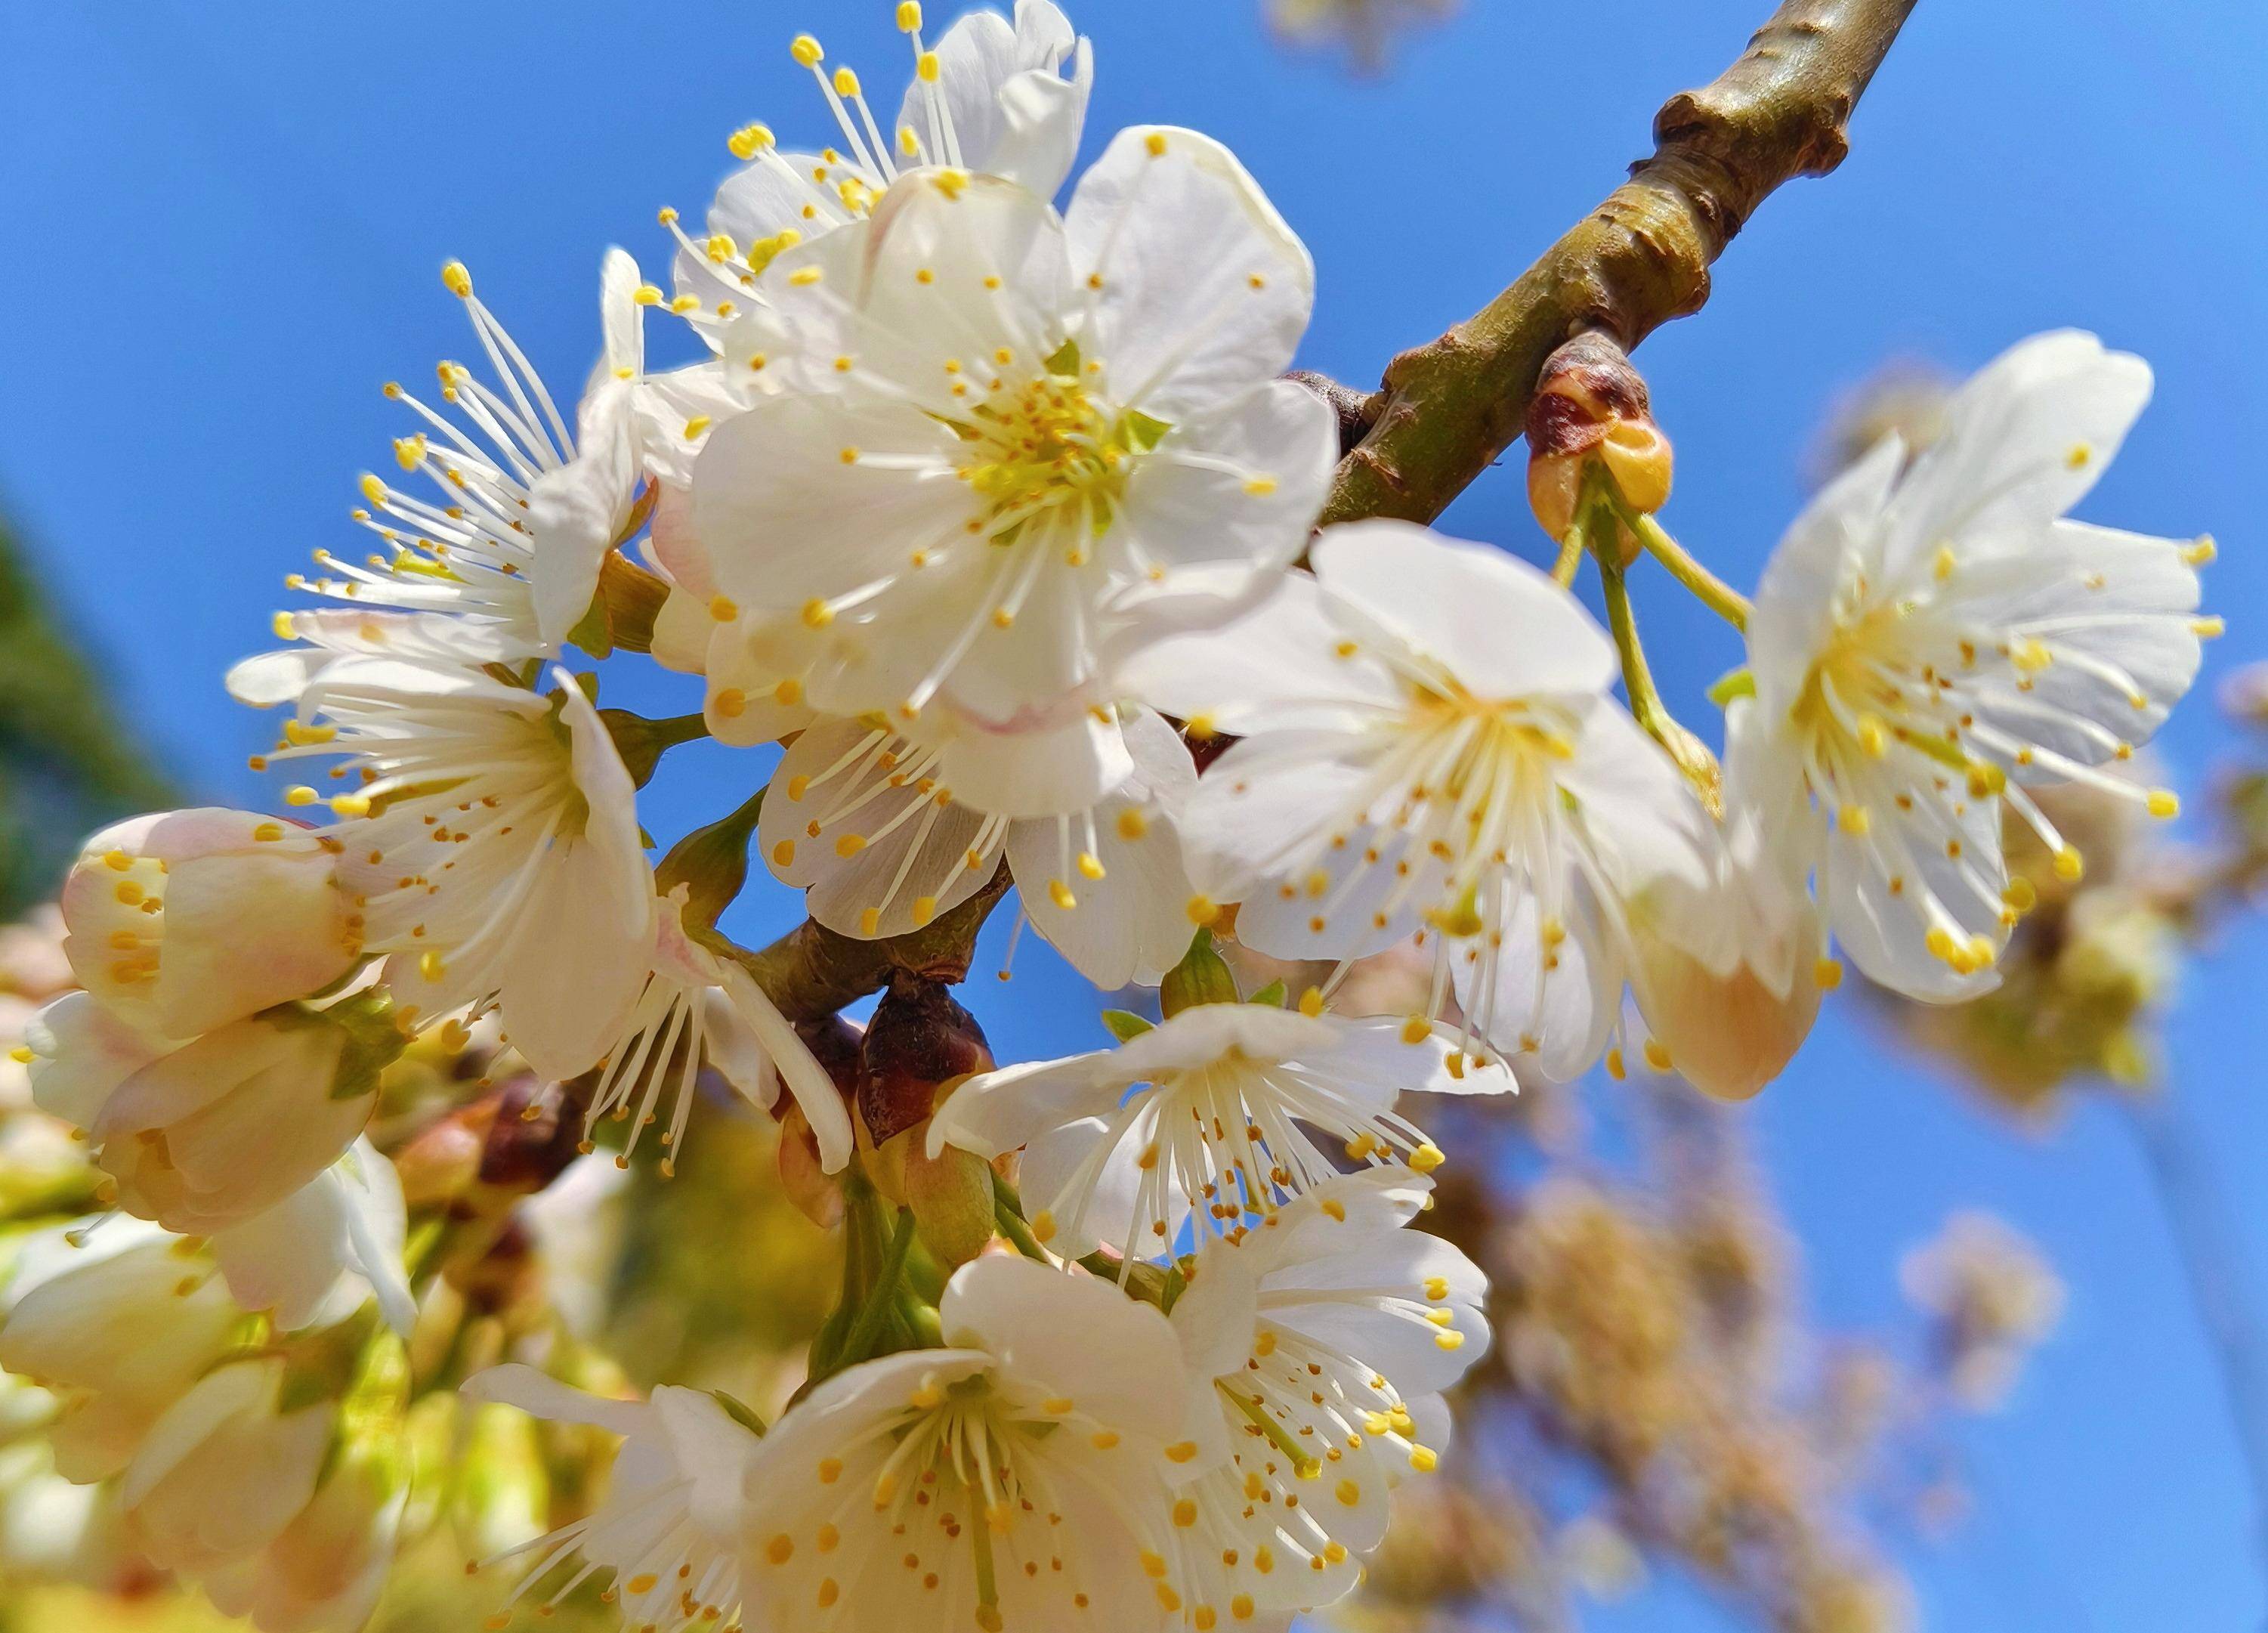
999	518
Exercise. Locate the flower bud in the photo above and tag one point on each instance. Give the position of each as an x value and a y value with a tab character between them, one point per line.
203	1137
1591	410
186	920
951	1195
919	1037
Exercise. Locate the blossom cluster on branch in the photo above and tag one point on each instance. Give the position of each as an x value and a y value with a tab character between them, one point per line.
1001	519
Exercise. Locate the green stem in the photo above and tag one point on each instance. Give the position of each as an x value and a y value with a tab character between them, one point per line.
1008	1214
1570	558
881	1298
1638	679
1712	591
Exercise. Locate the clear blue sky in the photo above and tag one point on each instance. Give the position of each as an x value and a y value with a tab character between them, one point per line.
223	225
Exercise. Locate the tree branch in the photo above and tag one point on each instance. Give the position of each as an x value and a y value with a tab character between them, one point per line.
1447	408
812	972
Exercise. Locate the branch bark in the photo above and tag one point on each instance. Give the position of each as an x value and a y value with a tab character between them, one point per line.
1447	408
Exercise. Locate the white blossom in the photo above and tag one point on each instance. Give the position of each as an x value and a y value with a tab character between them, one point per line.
1002	100
1427	745
491	846
1319	1343
1017	1478
1232	1105
671	1526
1014	445
205	1135
186	920
863	820
1925	642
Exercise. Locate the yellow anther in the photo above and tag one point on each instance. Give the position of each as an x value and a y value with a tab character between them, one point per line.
2198	554
1260	487
830	1470
1241	1606
1156	143
1181	1451
1132	825
909	144
1090	865
1059	893
731	703
351	805
268	832
695	426
1201	729
1942	563
784	853
724	609
1335	1207
2207	628
2077	459
1450	1339
2030	655
430	966
1201	910
870	922
282	624
780	1549
1427	1158
910	16
373	489
1185	1513
2069	864
300	795
846	83
749	141
1656	1056
1424	1460
1417	1030
1853	820
850	845
804	278
788	693
817	614
1349	1492
646	295
1311	1001
457	280
925	68
1874	736
409	452
2163	803
806	50
1828	974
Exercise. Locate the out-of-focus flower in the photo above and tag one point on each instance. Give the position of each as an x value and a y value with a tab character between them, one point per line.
1364	28
1993	1299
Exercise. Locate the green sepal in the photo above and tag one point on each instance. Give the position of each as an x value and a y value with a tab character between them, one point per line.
1202	976
1732	686
1125	1025
1273	994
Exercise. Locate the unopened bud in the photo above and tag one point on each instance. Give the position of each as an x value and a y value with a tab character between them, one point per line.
918	1039
1591	412
951	1195
1202	976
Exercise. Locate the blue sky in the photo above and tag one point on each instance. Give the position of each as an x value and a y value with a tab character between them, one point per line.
226	234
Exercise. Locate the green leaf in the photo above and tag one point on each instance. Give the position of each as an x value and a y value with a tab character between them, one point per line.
1273	993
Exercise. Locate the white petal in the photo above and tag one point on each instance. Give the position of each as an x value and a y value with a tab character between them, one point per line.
1204	290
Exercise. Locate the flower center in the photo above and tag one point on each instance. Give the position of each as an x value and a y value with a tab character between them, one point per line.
1049	447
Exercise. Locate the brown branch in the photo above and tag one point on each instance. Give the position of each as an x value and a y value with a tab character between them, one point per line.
1449	408
812	972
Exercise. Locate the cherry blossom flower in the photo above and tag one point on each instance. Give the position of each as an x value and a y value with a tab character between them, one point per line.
1231	1108
1427	746
1319	1343
866	822
491	846
186	920
1017	446
671	1526
1927	642
1017	1478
